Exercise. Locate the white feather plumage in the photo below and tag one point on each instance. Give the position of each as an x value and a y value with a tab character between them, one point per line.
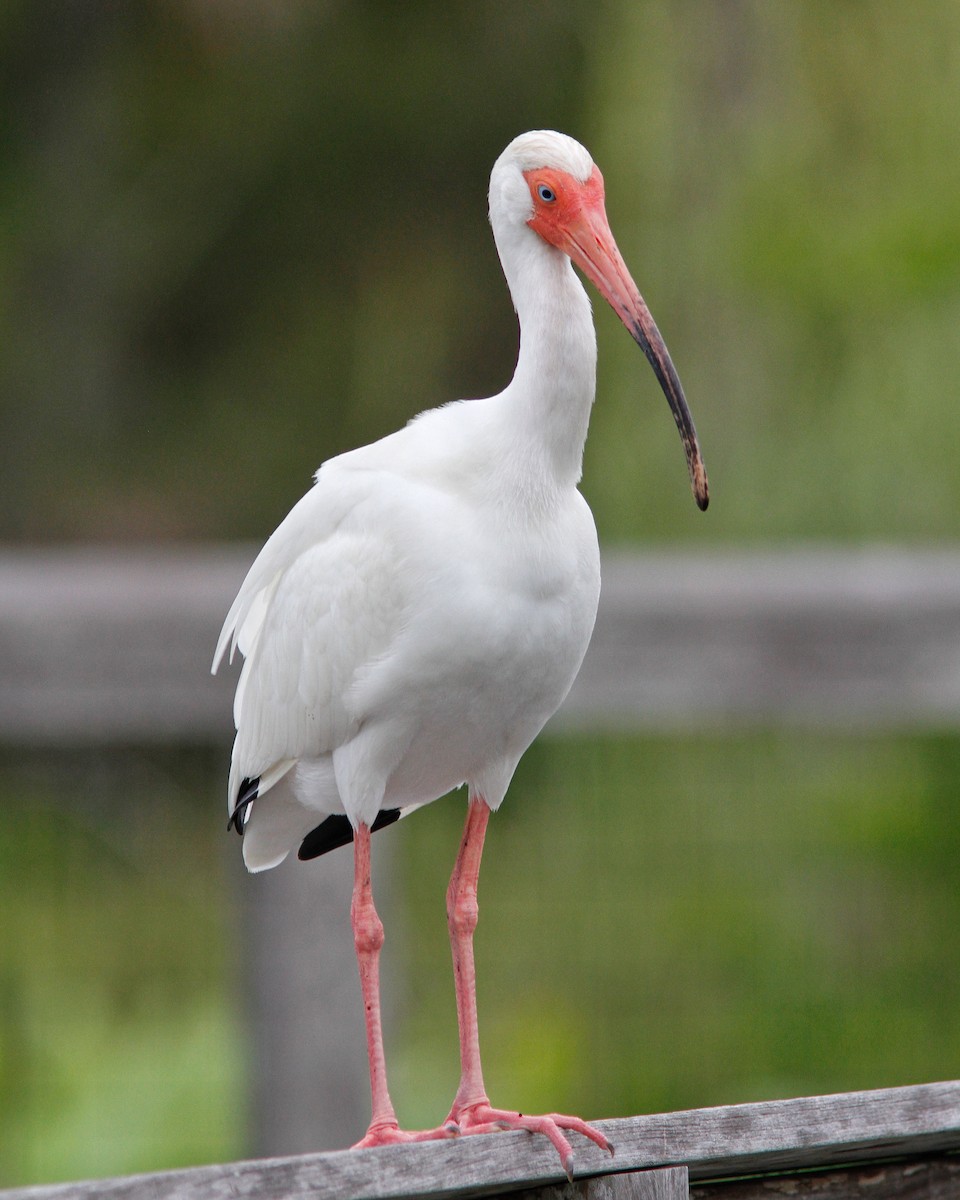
423	610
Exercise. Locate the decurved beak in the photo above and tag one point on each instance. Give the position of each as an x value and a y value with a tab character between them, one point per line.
587	239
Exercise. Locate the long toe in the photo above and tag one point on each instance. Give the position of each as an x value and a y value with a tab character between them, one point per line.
483	1118
392	1135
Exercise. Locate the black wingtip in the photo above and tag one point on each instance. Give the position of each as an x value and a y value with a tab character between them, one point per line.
336	831
246	794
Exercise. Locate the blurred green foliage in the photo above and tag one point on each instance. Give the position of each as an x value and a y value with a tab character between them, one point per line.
120	1044
246	237
678	922
786	180
242	238
239	238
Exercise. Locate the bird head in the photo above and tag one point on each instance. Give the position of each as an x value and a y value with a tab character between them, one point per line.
548	183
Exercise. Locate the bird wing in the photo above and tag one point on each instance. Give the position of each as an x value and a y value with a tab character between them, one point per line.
324	616
301	527
342	485
322	601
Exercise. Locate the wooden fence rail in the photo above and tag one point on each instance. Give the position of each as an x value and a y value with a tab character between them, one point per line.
114	645
908	1137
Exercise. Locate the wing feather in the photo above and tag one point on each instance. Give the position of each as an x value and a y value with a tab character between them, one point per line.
328	598
319	605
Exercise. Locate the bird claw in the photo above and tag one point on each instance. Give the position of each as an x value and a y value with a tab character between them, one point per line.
482	1118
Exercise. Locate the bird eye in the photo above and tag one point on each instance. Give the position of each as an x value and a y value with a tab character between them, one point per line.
546	194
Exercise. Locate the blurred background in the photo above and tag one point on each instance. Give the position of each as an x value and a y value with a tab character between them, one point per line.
241	236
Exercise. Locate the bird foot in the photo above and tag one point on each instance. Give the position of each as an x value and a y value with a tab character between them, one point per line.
482	1118
390	1134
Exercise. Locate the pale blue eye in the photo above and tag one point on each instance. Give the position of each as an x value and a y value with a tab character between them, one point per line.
546	194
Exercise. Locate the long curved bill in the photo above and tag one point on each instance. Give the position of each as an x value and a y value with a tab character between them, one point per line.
585	236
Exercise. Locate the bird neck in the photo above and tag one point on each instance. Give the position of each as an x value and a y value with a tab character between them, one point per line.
553	387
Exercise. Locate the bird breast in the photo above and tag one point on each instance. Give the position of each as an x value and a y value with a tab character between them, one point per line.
497	618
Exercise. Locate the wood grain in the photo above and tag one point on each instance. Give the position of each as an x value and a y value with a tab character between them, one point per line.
666	1183
714	1143
928	1179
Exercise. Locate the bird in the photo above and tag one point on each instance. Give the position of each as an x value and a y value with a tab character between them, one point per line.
424	609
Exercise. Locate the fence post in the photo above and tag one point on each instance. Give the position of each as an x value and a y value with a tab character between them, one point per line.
309	1085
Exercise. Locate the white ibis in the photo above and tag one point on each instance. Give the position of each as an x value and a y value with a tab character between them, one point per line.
423	610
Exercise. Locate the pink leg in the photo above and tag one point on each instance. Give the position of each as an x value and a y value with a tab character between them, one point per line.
471	1110
462	913
368	940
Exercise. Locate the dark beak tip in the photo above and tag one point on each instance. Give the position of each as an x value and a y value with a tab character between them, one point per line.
698	480
647	336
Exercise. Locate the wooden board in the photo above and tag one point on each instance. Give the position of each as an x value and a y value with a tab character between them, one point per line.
100	645
923	1179
714	1143
666	1183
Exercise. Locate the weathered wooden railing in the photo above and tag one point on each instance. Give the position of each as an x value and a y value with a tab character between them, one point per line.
106	647
895	1144
100	646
